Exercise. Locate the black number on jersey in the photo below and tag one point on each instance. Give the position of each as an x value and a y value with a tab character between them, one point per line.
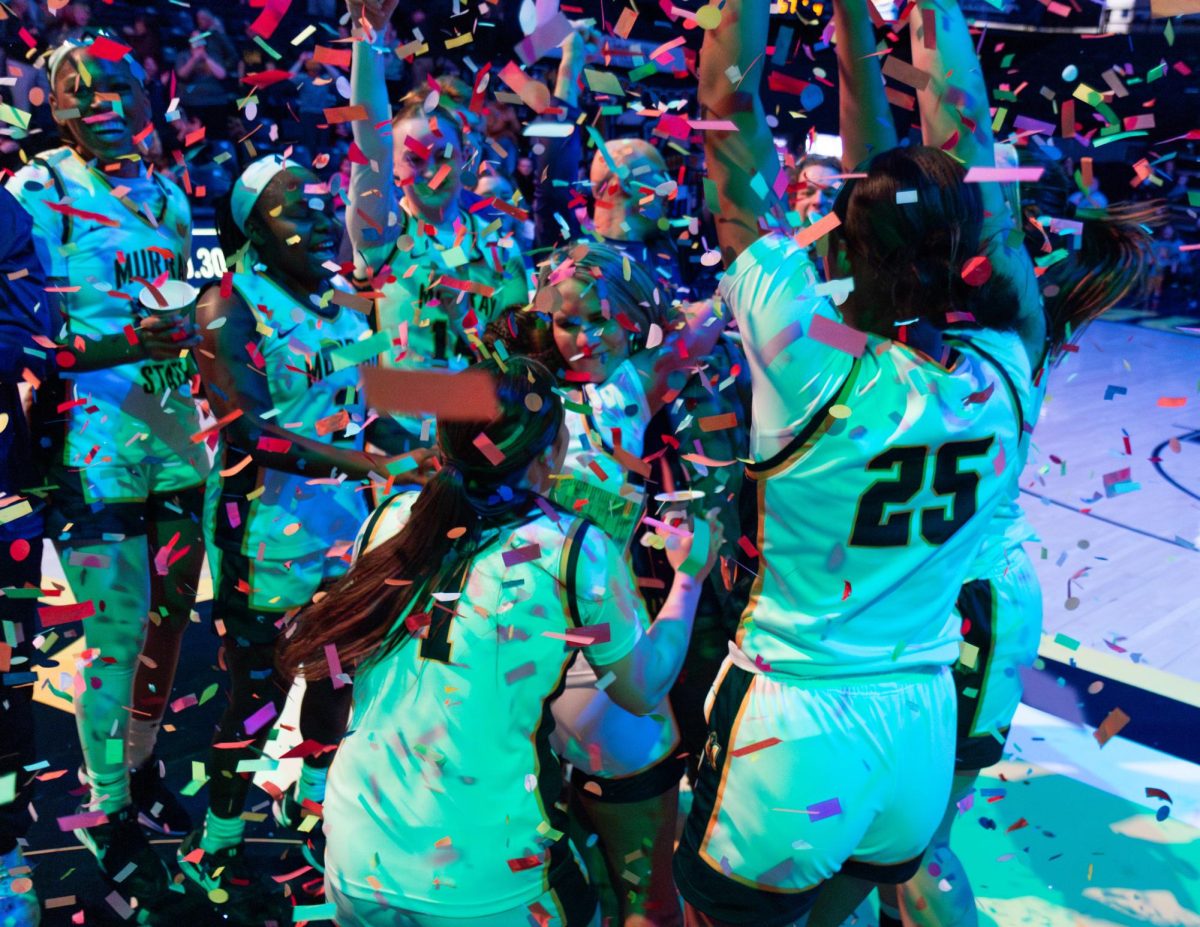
436	645
874	526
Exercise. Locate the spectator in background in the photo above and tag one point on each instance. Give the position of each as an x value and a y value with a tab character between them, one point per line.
144	42
203	69
314	94
71	23
28	92
815	186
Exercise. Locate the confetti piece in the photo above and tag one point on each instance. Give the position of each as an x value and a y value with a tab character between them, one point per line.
977	271
467	396
521	672
718	422
829	808
339	114
838	336
261	718
819	229
1004	174
906	73
82	821
489	450
1111	726
1111	391
52	615
107	49
755	747
521	554
268	20
1172	402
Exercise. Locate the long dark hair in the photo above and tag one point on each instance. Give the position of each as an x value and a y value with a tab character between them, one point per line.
476	488
1109	261
920	245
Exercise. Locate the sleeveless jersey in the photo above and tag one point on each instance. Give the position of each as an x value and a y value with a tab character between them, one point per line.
95	235
271	513
594	484
441	798
877	470
439	294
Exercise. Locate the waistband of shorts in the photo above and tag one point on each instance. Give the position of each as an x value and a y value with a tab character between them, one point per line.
910	675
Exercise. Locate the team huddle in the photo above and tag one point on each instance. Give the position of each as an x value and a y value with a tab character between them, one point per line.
754	539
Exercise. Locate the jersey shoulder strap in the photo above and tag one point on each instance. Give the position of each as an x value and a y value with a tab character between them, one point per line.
568	567
60	188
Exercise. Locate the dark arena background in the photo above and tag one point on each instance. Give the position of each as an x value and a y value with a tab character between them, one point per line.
1093	817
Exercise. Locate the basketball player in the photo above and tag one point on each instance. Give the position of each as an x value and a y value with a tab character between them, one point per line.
125	516
832	725
440	808
290	495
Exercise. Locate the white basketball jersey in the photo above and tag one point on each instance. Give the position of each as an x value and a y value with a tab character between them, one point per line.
594	483
96	236
441	292
278	514
441	797
877	475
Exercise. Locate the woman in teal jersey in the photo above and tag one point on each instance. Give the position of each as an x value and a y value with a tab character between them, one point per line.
1108	254
125	515
441	808
280	367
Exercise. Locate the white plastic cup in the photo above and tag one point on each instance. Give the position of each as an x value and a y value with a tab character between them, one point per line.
179	295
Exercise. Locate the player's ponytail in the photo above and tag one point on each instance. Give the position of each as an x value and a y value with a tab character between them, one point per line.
477	490
1110	262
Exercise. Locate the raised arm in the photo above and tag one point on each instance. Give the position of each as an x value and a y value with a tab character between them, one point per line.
557	167
372	205
644	676
864	119
731	65
955	103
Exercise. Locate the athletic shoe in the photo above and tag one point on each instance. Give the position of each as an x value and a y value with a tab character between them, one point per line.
158	807
240	892
19	905
126	859
290	813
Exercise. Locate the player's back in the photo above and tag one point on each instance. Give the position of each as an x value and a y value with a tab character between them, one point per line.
876	475
448	765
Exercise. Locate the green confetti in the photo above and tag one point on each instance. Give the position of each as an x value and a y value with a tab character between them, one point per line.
208	693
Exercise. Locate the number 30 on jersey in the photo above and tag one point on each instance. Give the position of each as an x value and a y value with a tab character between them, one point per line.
882	520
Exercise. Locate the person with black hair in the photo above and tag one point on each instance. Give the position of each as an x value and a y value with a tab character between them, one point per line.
999	607
459	619
882	445
125	515
279	370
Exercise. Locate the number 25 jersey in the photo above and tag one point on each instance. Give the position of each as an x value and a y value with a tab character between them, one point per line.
877	471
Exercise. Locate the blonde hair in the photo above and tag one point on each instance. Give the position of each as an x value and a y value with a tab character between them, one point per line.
625	285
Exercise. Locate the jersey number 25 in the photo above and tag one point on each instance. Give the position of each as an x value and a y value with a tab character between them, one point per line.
874	526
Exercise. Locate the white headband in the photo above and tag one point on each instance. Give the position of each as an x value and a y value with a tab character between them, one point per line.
251	184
